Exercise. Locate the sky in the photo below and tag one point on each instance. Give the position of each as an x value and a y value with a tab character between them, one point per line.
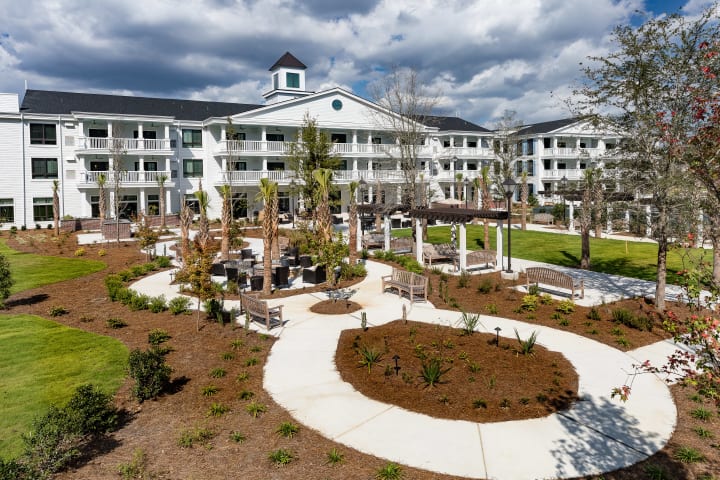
479	57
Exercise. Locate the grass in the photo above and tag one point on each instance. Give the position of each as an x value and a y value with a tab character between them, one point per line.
607	256
32	271
41	364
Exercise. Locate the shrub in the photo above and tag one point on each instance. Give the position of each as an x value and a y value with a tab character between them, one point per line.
136	467
139	301
137	271
217	410
157	304
163	262
391	471
125	295
529	303
149	267
251	361
212	307
227	355
369	356
255	409
281	457
594	314
242	377
464	279
485	286
113	284
334	457
179	305
625	317
188	438
566	306
688	455
246	395
158	336
217	372
125	275
102	252
150	372
534	289
209	390
287	429
701	414
115	323
431	371
80	252
491	308
546	299
237	437
57	311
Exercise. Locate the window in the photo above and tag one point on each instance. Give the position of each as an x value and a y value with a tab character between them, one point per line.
275	137
147	134
547	142
472	144
472	166
275	81
44	168
338	138
376	141
239	205
148	166
292	80
42	134
7	210
343	165
561	166
547	187
99	166
128	206
234	135
42	209
609	146
518	168
484	143
153	204
530	167
283	202
95	206
237	166
191	138
446	143
98	132
547	164
275	166
192	167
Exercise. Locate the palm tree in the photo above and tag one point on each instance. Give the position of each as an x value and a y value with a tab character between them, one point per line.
269	195
186	218
203	235
225	221
352	222
485	175
56	207
161	179
102	203
523	200
323	222
459	186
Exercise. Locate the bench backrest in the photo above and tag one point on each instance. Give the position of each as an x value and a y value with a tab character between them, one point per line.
402	276
253	304
548	275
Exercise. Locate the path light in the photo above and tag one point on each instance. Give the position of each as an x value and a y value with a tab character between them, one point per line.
292	200
397	367
404	313
497	336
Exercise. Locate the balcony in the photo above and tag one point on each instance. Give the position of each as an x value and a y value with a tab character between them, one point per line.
127	145
471	152
572	152
568	173
132	178
249	147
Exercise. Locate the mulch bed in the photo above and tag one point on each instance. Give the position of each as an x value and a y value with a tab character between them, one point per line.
482	382
155	426
335	307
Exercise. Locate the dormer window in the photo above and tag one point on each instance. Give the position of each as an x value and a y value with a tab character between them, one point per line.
292	80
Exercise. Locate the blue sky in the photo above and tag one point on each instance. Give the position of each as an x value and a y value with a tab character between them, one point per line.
481	57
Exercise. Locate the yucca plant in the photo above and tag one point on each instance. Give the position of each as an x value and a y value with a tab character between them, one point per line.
391	471
527	346
334	457
369	356
431	371
469	322
287	429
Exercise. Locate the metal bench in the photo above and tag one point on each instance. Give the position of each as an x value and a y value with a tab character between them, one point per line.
257	308
548	276
404	281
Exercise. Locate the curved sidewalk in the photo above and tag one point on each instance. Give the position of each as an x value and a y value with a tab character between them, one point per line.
596	435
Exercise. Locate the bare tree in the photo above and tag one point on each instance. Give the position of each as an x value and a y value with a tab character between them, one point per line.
408	106
269	195
352	222
225	221
161	179
524	190
117	172
102	202
506	146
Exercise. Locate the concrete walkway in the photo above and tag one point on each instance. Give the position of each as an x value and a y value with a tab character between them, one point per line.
596	435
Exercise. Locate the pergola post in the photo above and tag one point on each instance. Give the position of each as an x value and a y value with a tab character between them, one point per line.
463	247
418	241
499	242
387	232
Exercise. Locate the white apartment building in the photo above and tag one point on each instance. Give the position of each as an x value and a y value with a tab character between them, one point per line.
75	137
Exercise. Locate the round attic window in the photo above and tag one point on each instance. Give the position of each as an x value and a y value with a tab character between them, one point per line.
337	105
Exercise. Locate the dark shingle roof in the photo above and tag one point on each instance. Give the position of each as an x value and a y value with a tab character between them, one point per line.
452	123
288	60
545	127
63	103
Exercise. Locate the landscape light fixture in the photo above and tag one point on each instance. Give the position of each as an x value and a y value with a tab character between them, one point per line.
509	185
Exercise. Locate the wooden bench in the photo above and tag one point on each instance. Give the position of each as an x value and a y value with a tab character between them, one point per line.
257	308
404	281
479	257
401	245
373	240
440	252
555	278
546	218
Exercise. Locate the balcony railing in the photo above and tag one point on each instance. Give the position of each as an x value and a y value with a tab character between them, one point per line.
258	146
126	177
125	144
252	177
568	173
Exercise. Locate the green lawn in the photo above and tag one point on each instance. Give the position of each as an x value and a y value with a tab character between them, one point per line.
41	363
630	259
32	271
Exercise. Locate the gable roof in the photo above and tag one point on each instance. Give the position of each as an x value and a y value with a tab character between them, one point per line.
288	60
546	127
452	123
64	103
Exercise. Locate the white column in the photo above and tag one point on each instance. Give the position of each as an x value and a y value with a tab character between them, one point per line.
463	247
141	141
167	135
141	201
571	220
464	142
263	139
168	201
264	166
418	241
110	129
354	165
354	141
223	132
387	233
499	242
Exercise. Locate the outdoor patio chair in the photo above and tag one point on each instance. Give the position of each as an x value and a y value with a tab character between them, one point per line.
281	277
218	269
